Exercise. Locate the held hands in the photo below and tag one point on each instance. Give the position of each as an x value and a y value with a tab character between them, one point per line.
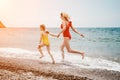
58	35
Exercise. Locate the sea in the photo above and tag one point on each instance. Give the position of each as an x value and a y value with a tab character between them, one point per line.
101	47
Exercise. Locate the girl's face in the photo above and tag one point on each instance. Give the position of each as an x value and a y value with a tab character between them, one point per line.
41	28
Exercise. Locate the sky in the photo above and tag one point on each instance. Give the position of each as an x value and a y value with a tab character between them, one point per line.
83	13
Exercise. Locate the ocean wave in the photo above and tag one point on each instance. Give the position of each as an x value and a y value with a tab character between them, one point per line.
70	59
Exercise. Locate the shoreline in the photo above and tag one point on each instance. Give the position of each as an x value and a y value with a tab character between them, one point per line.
59	71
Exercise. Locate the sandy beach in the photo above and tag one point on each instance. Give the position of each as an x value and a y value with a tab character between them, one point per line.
12	68
36	69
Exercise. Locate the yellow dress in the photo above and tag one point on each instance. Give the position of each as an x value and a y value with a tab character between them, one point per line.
45	39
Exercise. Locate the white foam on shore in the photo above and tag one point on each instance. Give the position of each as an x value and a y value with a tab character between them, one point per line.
70	59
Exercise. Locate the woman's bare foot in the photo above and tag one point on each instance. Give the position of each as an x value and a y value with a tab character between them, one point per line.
83	55
62	60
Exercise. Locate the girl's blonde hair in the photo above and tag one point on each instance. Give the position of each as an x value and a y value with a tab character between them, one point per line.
42	26
65	15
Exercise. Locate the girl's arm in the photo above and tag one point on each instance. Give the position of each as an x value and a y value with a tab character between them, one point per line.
76	31
63	29
51	34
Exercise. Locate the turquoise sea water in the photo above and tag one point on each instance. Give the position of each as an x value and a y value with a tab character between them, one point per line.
98	42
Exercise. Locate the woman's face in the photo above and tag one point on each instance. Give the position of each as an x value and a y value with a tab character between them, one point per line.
62	18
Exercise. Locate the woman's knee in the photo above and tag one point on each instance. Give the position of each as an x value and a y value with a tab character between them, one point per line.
69	50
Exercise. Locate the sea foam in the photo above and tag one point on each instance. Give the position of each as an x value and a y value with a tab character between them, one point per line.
70	59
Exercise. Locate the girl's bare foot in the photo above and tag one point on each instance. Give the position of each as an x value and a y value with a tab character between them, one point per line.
42	56
53	62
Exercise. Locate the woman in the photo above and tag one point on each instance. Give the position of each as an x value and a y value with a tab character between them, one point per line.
65	26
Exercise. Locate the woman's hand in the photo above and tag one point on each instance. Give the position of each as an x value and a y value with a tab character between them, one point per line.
58	35
82	35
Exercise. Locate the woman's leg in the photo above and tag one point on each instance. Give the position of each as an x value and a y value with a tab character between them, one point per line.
62	50
40	50
67	45
48	49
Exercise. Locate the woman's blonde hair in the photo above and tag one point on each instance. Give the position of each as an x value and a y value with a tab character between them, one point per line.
42	26
65	15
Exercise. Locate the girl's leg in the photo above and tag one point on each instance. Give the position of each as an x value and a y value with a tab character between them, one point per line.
40	50
67	45
62	50
48	49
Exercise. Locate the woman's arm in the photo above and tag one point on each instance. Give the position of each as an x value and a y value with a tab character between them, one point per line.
76	31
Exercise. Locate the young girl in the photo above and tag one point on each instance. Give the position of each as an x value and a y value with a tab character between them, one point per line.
65	26
44	41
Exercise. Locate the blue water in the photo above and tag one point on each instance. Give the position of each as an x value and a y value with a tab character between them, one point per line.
98	42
